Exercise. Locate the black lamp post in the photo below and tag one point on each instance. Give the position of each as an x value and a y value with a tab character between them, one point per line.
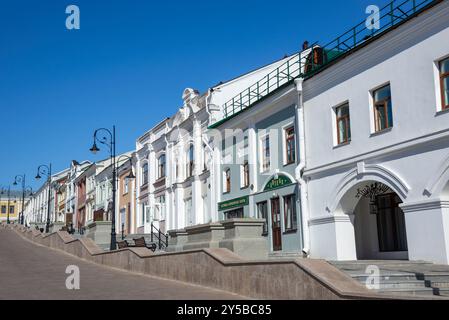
46	170
110	143
17	180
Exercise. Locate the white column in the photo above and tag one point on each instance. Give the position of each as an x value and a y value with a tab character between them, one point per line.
197	203
253	165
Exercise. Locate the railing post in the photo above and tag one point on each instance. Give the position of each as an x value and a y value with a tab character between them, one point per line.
152	232
391	13
160	245
277	76
268	83
249	96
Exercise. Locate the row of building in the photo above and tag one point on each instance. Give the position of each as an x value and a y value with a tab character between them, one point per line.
343	149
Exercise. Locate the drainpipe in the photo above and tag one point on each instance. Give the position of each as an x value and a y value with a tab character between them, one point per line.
301	167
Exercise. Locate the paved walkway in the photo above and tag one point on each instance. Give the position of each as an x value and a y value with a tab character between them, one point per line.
29	271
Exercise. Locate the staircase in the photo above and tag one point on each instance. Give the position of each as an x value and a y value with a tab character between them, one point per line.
418	278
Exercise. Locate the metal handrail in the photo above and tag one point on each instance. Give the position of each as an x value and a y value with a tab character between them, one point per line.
162	238
304	64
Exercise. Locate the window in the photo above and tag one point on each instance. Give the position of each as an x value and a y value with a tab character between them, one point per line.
290	145
266	154
145	174
190	163
204	157
444	79
227	181
343	124
126	186
11	210
383	117
161	166
262	209
234	214
245	175
3	209
291	223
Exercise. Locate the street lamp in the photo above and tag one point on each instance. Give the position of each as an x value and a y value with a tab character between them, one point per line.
46	170
101	136
21	179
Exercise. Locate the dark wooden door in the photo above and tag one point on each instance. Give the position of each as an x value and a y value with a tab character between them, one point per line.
276	224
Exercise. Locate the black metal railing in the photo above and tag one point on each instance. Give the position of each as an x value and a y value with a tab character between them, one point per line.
161	238
308	62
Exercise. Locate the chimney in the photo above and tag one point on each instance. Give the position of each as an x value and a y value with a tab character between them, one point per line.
305	45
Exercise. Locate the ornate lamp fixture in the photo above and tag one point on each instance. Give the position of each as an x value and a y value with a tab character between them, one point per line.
372	191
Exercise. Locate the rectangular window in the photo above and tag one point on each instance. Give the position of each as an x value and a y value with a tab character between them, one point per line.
190	163
383	115
343	124
11	210
290	145
245	175
291	222
161	166
3	209
266	154
262	209
444	80
125	186
145	174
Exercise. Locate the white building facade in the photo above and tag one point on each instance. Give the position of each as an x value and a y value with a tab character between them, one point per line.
377	147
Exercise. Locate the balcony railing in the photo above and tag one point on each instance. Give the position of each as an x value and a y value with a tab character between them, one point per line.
310	61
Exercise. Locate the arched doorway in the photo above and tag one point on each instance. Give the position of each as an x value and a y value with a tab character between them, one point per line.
379	222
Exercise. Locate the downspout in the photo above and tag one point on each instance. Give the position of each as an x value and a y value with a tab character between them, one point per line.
300	169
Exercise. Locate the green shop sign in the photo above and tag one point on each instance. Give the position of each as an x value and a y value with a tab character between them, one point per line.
279	182
235	203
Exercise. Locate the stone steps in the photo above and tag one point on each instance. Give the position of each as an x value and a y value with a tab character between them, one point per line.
417	278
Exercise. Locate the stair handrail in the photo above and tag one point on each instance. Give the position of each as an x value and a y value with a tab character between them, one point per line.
162	238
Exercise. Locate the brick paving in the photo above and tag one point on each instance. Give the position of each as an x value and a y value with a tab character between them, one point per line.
29	271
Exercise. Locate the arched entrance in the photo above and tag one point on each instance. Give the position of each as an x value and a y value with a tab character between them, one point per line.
379	223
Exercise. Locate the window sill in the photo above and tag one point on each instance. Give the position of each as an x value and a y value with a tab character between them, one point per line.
226	193
341	145
289	164
378	133
291	231
443	111
244	188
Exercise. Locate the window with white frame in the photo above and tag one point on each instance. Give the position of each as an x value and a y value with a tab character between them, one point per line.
265	150
343	122
227	180
244	174
144	177
383	108
444	83
161	166
290	145
190	161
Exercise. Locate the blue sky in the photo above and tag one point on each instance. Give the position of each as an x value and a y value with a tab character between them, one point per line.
130	62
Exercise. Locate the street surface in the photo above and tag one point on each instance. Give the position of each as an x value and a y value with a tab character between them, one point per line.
29	271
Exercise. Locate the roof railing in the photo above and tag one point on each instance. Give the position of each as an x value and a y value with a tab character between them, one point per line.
308	62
